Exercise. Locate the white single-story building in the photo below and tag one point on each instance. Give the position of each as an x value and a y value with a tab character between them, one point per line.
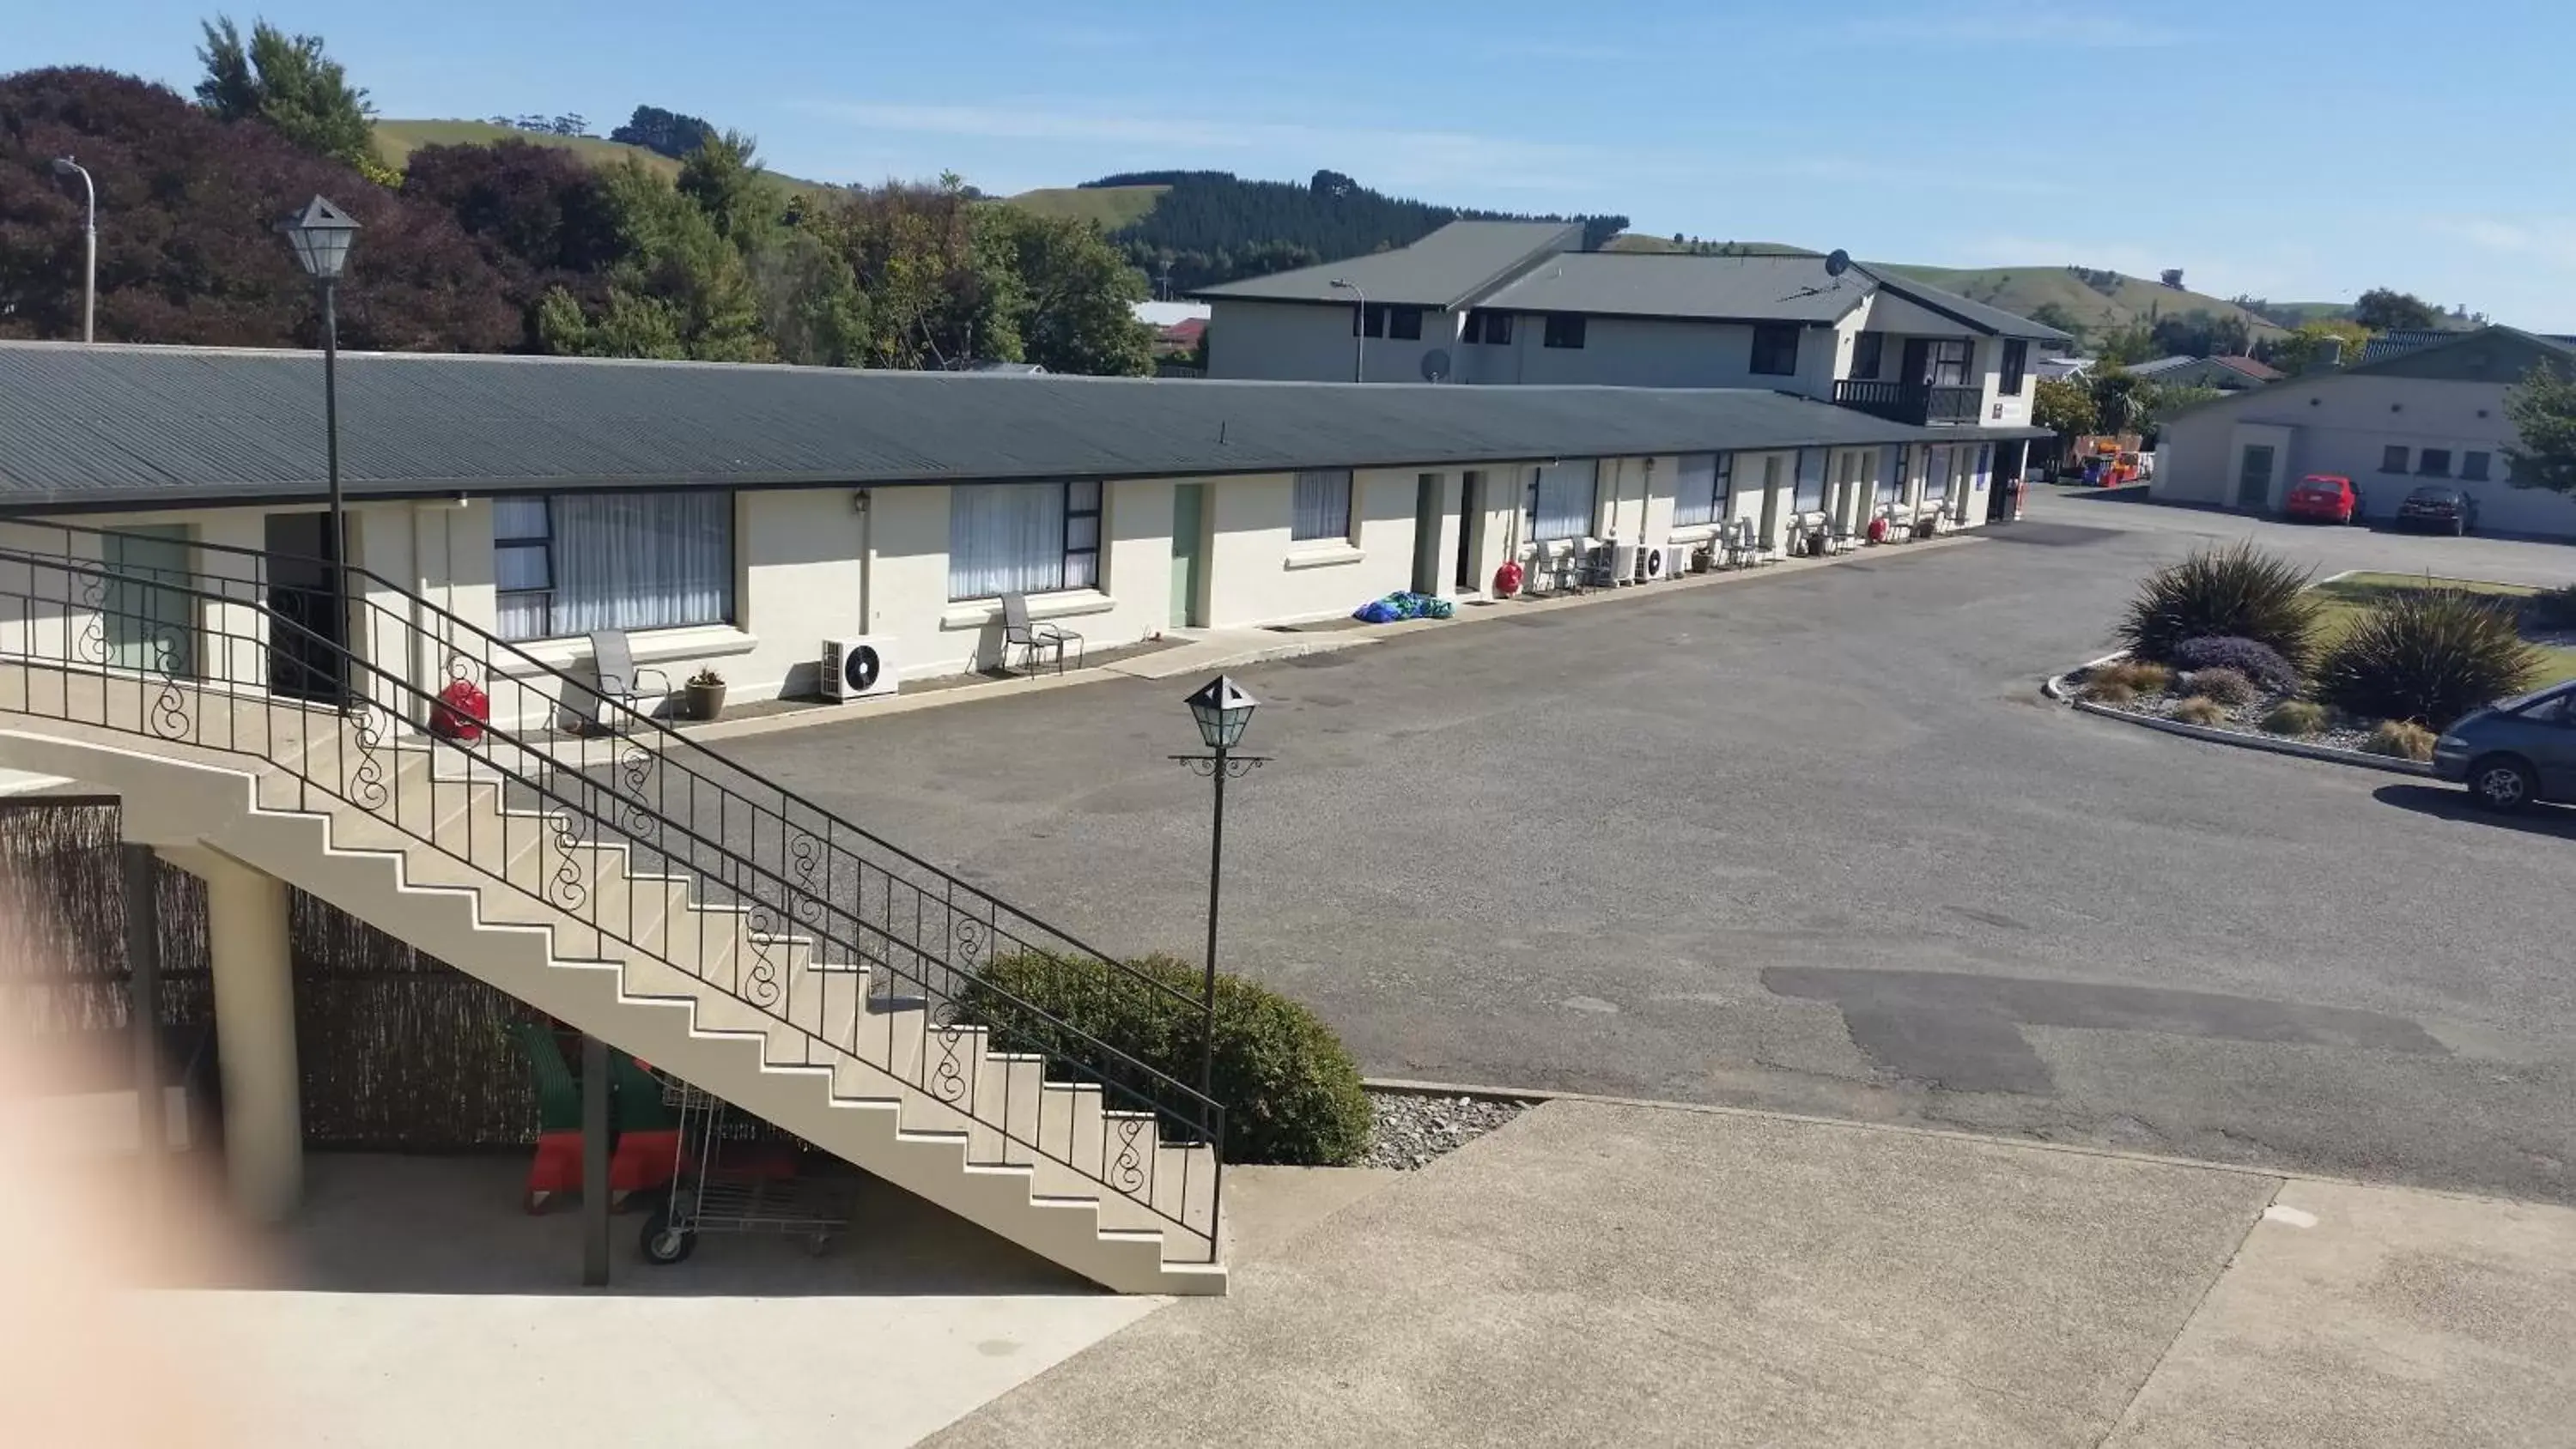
2429	414
736	517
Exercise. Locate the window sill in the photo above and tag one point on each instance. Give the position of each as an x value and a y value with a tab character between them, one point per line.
651	646
1322	555
1069	604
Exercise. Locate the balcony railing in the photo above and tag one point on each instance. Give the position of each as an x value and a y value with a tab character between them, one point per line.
1909	402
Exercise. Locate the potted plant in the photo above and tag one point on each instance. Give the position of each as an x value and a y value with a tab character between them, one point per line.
706	690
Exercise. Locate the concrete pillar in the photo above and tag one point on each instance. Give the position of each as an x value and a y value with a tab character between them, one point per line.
254	1033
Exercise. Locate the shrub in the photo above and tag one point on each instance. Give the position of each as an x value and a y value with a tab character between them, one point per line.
2296	717
2200	709
2405	740
2428	658
2224	685
2141	676
2236	592
2552	611
1290	1091
2110	691
2258	662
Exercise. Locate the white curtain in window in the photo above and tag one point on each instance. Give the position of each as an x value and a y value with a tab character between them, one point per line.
1936	474
1811	480
1323	506
642	560
1565	496
1005	538
1695	490
1985	465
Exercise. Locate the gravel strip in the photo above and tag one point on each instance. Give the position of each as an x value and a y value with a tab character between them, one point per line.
1412	1128
2243	719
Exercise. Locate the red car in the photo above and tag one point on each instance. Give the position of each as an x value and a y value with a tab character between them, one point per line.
2324	498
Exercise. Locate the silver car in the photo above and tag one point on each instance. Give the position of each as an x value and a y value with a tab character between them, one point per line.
2516	752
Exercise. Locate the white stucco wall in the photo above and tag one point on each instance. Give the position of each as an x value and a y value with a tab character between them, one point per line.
2341	423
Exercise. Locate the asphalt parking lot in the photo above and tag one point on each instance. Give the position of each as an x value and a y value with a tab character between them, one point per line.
1814	843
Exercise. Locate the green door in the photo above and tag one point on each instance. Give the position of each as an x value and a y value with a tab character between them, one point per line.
1189	554
150	626
2254	476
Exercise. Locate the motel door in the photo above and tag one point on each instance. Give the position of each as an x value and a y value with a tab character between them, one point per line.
1189	555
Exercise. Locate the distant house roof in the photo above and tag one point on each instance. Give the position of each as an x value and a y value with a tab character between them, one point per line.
2389	344
1168	314
125	426
2485	354
1186	332
2220	371
1701	288
2159	365
2259	371
1444	269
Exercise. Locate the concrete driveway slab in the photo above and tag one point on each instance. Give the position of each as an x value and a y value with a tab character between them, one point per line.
2362	1315
1604	1274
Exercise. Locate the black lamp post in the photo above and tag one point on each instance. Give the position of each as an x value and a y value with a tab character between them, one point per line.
321	234
1223	711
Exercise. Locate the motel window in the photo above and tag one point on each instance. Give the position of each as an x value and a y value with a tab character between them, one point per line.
2473	467
1022	538
1564	331
1561	499
1699	489
2433	462
2016	362
1946	363
1868	350
1936	474
1323	508
1810	497
1775	349
1385	319
569	563
1491	328
2392	459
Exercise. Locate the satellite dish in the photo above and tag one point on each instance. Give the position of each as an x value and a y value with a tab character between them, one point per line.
1435	364
1837	262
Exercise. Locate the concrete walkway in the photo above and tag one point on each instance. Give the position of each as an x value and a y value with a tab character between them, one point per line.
1599	1273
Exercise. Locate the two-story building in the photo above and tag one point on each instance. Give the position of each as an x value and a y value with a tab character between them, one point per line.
1487	302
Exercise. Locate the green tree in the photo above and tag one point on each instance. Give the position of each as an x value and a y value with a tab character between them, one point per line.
2384	309
2123	402
287	82
941	290
2053	314
680	290
726	180
2298	351
811	307
2131	342
2064	406
1078	295
2543	409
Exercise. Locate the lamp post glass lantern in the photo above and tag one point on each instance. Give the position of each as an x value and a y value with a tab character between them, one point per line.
321	234
1222	711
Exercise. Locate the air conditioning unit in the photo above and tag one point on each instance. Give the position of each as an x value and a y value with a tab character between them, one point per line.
1623	561
1670	561
858	668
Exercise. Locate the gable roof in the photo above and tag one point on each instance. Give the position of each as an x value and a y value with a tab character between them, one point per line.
2487	354
1699	288
85	426
1445	269
2259	371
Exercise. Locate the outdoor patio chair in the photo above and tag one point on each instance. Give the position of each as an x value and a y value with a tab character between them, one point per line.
612	660
1034	639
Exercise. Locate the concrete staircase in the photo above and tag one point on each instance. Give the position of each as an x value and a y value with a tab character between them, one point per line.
538	891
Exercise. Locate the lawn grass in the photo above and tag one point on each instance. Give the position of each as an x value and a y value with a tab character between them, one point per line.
1110	206
2346	599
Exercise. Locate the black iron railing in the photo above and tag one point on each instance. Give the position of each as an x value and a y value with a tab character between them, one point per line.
1912	403
382	700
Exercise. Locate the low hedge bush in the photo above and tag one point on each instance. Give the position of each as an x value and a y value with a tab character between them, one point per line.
2401	738
2552	611
2110	691
1290	1090
2256	661
2240	592
2224	685
2297	717
2200	709
2428	658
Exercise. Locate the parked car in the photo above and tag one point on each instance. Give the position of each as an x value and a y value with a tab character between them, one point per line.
2516	752
2451	510
2323	498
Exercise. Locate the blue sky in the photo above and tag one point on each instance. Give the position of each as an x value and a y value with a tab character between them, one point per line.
2297	149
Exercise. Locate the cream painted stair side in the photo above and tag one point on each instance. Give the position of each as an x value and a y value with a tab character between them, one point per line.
651	994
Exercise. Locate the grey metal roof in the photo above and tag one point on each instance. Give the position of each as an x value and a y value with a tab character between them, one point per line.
1974	313
1444	269
1699	288
105	426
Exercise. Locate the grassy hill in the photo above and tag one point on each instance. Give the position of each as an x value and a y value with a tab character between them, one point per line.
1111	206
397	139
2120	301
1630	241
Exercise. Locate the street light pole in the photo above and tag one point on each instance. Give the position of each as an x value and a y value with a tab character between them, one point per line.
1223	711
1359	328
66	166
321	234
